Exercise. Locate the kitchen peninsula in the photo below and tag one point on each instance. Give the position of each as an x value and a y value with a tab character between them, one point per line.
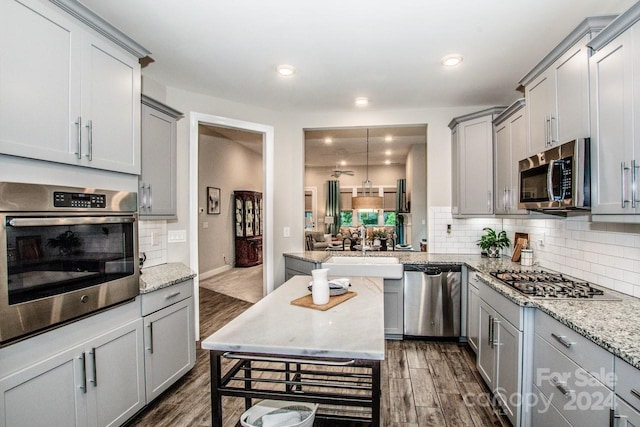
328	357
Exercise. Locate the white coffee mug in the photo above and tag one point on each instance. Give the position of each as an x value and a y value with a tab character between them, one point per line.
320	287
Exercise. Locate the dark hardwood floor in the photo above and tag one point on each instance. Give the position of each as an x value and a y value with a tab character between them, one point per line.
423	383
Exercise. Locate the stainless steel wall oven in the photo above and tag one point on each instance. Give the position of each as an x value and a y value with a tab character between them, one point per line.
65	253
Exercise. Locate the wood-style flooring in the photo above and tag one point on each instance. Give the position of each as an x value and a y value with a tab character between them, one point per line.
423	383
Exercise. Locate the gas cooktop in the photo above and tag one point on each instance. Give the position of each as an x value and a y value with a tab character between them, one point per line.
550	285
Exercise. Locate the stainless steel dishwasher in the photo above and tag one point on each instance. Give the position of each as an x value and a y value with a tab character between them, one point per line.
432	300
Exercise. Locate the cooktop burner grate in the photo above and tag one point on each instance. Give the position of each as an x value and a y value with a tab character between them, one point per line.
550	285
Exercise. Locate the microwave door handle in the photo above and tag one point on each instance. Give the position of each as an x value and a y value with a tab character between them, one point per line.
79	220
550	181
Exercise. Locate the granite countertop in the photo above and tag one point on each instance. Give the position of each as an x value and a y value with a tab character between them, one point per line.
163	275
353	329
613	325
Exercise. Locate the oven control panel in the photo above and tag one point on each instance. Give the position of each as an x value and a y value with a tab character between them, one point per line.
79	200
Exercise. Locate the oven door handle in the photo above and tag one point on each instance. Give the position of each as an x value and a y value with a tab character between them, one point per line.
78	220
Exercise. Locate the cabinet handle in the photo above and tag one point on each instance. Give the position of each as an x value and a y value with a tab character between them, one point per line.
150	196
83	386
490	330
551	140
489	201
78	124
173	295
546	131
635	393
634	174
562	340
150	337
562	387
90	139
95	369
494	343
623	167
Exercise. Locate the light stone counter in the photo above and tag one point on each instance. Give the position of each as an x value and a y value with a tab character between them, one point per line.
613	325
353	329
163	275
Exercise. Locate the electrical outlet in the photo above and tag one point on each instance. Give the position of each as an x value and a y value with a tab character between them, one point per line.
448	228
286	232
205	224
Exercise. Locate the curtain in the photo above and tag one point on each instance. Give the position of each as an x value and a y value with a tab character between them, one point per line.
333	206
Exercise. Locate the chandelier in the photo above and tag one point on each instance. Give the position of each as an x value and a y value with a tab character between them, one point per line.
367	201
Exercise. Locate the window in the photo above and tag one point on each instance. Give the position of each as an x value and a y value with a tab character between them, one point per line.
346	217
368	218
308	220
390	218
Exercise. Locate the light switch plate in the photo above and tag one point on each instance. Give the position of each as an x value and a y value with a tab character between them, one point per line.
286	232
177	236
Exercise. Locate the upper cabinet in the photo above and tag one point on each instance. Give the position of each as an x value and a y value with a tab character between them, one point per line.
157	195
472	162
510	138
557	90
615	107
69	87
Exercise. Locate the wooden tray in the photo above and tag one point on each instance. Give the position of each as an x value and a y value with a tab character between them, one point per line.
307	301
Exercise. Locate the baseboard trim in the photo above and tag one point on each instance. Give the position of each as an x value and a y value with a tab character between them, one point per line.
215	271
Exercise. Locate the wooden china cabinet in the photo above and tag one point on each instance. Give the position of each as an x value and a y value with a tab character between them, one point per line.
248	229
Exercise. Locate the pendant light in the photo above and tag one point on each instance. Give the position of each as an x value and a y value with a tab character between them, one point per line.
367	201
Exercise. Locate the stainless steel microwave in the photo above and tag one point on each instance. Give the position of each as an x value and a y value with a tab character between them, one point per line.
557	180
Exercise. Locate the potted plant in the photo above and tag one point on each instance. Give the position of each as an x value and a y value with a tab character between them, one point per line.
382	237
66	242
492	242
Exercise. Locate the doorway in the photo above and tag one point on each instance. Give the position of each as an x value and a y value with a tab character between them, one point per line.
197	208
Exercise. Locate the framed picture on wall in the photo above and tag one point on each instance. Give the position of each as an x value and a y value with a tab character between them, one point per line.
213	200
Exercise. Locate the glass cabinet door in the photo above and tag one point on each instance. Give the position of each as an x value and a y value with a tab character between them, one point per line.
248	217
239	212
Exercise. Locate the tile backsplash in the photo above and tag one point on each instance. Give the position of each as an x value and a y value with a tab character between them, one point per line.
606	254
152	240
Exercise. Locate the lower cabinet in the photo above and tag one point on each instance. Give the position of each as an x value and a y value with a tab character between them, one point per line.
169	336
97	383
502	340
393	308
298	267
627	398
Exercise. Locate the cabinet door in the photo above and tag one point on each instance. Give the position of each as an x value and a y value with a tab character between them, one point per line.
110	107
475	168
169	346
502	167
486	354
625	415
115	375
539	96
518	144
49	393
158	198
473	317
612	126
39	82
571	120
455	172
393	308
508	374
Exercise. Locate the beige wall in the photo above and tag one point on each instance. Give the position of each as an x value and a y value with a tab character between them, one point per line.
228	166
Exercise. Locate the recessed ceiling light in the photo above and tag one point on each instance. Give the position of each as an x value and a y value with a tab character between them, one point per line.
387	162
328	140
388	152
286	70
388	138
362	101
451	60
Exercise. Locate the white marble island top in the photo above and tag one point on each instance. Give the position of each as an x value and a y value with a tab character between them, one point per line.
353	329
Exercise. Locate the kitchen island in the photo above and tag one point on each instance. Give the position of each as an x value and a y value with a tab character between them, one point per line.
276	350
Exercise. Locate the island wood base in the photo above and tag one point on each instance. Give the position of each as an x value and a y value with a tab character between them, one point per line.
348	390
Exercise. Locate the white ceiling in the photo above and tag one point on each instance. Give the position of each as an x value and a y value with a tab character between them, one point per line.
388	51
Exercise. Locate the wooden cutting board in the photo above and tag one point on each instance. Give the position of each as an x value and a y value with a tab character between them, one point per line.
521	243
307	301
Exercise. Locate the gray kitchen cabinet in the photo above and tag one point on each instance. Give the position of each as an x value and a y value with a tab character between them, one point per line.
157	182
510	146
393	308
68	94
95	383
473	310
557	90
627	394
503	345
573	373
298	267
472	167
615	142
169	336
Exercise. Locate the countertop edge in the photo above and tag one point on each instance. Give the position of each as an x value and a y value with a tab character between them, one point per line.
164	275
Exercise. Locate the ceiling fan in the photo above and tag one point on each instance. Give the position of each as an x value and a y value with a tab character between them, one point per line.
337	172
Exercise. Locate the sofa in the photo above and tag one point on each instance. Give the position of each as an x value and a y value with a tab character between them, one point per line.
317	240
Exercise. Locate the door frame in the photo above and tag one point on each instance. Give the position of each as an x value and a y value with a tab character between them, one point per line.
195	119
